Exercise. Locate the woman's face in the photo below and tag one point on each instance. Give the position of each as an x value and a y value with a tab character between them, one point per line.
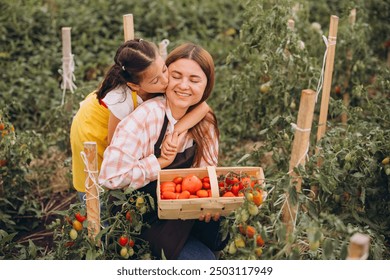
155	77
187	83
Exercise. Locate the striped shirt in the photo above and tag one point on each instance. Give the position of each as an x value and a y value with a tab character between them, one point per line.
129	160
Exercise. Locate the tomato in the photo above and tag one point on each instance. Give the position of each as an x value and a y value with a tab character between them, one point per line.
206	185
249	196
178	180
202	193
124	253
247	182
73	234
241	229
169	195
386	160
250	231
131	243
79	217
167	186
231	180
206	179
337	89
139	202
257	198
129	216
123	240
178	188
259	241
228	194
232	248
184	195
130	252
239	242
194	196
2	126
3	162
191	183
77	225
235	189
258	252
253	210
264	88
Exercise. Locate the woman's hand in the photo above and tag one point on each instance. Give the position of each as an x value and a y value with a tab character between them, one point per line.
207	218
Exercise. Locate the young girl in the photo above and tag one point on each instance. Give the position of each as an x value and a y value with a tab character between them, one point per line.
139	73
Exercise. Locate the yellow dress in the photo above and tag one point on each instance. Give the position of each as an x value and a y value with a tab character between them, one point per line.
90	124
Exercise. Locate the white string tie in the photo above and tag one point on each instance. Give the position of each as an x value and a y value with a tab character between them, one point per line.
163	48
295	127
331	42
90	175
68	77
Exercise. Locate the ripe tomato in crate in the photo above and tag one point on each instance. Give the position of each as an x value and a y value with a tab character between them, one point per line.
203	193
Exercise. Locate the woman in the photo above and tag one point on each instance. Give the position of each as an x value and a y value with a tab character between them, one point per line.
138	74
133	157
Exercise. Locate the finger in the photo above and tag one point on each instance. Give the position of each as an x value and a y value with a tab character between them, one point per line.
207	218
201	218
216	217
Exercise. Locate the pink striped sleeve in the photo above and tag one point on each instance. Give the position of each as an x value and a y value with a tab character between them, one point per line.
129	160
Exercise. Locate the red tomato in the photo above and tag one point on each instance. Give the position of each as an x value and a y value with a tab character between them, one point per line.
228	194
128	216
178	188
206	185
247	182
206	179
80	217
131	243
235	189
191	183
123	240
169	195
184	195
178	180
202	193
167	186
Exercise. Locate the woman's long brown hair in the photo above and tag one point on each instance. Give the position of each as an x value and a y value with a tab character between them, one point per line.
201	131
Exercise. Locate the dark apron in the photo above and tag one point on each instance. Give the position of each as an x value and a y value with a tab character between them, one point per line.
168	236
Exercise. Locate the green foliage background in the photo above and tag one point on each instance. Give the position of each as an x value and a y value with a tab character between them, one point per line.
252	47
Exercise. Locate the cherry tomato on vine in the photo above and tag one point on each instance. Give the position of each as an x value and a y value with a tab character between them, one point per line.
123	240
79	217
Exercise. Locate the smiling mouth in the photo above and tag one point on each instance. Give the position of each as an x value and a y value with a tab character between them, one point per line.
183	94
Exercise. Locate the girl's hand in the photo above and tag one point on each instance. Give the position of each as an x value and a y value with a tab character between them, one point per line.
168	147
171	152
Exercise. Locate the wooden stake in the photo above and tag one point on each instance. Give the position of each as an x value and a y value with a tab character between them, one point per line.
92	194
358	247
327	76
344	117
290	24
326	88
128	27
66	42
67	56
299	150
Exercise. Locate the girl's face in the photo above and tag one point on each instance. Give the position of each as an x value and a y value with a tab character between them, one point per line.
155	77
187	83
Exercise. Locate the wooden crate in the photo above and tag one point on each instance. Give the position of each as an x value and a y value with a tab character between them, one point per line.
195	207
